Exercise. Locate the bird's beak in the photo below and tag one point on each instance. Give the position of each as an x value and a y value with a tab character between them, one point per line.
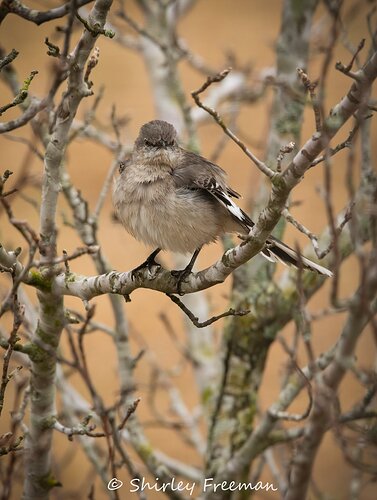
163	144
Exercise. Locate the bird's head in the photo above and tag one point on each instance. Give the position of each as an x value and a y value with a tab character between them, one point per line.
155	136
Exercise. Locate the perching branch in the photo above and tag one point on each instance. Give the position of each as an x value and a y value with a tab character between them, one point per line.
282	184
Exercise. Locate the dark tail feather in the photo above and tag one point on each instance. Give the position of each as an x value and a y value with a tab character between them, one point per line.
277	251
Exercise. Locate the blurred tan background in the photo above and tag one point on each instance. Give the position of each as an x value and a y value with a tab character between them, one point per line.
212	27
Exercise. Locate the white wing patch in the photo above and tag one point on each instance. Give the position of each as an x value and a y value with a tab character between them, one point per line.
223	197
233	208
275	250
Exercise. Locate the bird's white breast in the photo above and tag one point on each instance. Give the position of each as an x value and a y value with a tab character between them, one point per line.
159	215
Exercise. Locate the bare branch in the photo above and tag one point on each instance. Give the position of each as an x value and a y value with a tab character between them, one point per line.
208	322
347	69
22	226
130	411
32	110
332	151
28	143
293	417
141	31
228	373
82	429
310	87
18	312
36	16
89	250
95	30
92	63
8	58
51	315
195	94
283	151
14	446
358	317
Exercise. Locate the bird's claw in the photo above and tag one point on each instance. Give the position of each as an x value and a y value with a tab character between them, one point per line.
149	264
181	275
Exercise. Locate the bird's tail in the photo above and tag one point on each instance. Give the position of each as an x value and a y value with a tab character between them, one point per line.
277	251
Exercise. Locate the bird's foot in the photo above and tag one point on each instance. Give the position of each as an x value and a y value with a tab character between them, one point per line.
149	264
181	275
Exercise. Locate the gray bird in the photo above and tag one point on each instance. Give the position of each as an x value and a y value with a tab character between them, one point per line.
176	200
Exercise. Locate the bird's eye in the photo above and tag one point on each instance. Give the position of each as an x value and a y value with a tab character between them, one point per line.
147	143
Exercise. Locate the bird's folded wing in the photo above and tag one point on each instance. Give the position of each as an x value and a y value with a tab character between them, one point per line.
195	172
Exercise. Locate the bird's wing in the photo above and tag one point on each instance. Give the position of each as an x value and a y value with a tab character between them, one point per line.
195	172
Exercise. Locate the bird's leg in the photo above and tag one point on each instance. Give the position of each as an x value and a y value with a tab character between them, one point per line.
183	273
148	263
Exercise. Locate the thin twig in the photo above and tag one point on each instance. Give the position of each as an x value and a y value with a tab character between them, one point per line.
18	312
27	142
22	94
332	151
33	109
141	31
8	58
95	30
347	69
310	87
196	321
130	410
195	94
89	250
282	152
294	417
92	63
